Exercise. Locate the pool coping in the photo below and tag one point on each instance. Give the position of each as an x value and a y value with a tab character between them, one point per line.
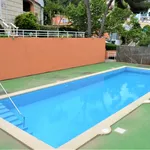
34	143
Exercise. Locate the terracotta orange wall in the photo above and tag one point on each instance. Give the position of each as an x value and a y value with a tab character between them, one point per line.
28	56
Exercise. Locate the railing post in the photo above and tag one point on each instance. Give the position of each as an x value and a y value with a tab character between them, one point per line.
17	31
84	35
58	34
36	33
23	33
67	35
75	34
47	33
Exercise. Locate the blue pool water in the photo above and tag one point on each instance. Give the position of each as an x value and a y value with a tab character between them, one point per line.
57	114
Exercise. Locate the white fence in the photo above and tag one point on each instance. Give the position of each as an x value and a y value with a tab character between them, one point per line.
40	33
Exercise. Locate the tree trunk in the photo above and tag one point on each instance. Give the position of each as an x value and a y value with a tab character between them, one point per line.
104	18
88	12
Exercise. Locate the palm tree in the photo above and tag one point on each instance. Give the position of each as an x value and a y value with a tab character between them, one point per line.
88	12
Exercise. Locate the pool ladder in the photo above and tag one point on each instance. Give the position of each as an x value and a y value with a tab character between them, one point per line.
23	117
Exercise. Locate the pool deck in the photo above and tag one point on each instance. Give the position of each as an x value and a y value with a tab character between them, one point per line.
136	123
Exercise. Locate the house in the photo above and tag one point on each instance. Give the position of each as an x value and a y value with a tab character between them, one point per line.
144	18
9	9
60	20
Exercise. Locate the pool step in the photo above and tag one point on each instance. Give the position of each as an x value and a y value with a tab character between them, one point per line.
2	107
6	115
4	110
12	118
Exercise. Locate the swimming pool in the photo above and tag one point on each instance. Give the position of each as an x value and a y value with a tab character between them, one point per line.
59	113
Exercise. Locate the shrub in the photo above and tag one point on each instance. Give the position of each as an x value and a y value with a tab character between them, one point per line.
61	28
3	35
144	42
27	21
67	28
47	27
110	46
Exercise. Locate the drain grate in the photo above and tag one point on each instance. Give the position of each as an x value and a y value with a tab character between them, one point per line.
120	130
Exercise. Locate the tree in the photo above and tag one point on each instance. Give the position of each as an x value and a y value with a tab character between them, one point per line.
104	18
78	14
135	5
146	29
51	9
88	13
116	19
135	34
27	21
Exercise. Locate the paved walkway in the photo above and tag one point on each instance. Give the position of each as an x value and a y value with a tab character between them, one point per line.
137	135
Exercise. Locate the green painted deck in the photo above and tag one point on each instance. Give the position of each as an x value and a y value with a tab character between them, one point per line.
137	135
23	83
8	142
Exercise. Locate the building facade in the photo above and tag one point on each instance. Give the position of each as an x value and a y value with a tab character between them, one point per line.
9	9
144	18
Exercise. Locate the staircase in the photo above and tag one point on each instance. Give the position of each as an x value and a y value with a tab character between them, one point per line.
12	118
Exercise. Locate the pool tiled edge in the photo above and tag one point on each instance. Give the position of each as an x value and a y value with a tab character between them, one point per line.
83	138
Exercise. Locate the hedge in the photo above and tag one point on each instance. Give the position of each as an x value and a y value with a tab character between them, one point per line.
110	46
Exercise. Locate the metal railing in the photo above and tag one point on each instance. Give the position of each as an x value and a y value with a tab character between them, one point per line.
41	33
23	117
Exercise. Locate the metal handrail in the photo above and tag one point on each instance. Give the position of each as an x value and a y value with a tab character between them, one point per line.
41	33
23	117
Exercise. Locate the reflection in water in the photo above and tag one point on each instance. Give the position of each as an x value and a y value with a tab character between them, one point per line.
113	102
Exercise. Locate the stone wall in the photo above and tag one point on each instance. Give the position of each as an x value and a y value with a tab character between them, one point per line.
9	9
129	54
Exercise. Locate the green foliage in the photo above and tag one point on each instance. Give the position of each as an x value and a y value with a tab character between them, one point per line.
27	21
135	34
146	29
145	41
110	46
116	19
61	28
3	36
67	28
97	10
51	9
48	27
77	14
